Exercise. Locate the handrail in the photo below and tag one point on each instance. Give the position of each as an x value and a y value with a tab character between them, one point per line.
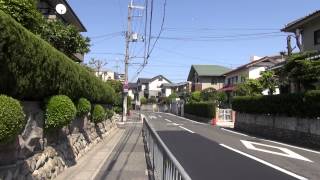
168	159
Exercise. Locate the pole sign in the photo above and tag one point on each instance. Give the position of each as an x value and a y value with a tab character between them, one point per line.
125	87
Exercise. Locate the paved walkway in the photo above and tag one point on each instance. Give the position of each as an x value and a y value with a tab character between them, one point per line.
121	156
128	158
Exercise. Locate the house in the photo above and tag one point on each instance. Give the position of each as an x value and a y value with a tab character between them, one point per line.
150	87
309	29
181	89
120	77
207	76
250	70
47	8
105	75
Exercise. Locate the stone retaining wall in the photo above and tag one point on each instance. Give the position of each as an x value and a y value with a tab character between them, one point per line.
300	131
39	156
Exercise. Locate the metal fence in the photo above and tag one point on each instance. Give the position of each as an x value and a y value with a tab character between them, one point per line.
164	165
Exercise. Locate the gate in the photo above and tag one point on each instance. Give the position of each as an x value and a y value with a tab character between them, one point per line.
225	115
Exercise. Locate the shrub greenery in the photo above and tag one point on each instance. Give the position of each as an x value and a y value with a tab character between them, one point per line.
32	69
98	114
83	106
202	109
117	109
293	105
109	113
12	119
60	112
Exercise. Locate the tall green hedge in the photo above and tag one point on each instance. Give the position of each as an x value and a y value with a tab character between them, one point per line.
202	109
12	119
293	105
31	69
98	114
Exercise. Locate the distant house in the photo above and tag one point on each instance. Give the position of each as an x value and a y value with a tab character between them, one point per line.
181	89
47	8
309	28
120	77
250	70
206	76
105	75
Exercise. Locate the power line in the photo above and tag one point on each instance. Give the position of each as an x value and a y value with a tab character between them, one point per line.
108	35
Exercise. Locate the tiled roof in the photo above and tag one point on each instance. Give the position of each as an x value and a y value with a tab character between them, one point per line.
294	24
207	70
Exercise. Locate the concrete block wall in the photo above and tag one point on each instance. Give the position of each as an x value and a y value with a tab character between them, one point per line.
302	131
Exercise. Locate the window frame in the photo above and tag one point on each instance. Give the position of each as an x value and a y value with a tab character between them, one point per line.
316	37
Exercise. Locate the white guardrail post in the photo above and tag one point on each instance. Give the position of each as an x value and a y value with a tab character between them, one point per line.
164	165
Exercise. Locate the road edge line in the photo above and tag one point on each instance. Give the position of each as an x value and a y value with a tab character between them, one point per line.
186	129
196	122
265	163
234	132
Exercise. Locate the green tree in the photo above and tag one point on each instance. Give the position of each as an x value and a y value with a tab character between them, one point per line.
268	81
250	87
195	96
304	70
143	100
65	38
209	94
116	85
152	100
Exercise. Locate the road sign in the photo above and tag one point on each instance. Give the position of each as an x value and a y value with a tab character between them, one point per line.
125	87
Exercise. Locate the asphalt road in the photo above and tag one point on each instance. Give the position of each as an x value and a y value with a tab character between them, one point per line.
207	152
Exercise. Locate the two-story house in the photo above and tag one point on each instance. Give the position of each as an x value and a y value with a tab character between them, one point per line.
207	76
309	29
251	70
182	89
47	8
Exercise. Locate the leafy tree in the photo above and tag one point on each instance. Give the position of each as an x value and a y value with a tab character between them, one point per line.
143	100
116	85
152	100
129	101
268	81
250	87
65	38
303	70
208	94
195	96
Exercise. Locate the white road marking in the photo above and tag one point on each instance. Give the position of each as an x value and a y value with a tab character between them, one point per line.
234	132
153	117
304	149
265	163
160	116
284	144
186	129
286	152
168	120
194	122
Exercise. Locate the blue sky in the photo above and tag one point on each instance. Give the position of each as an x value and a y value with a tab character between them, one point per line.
220	32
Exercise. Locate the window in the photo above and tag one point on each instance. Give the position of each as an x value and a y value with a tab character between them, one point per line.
317	37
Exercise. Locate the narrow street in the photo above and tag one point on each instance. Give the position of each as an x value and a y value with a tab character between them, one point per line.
208	152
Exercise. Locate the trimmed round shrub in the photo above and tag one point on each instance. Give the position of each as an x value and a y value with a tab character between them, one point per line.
117	109
83	106
60	112
109	113
12	119
98	114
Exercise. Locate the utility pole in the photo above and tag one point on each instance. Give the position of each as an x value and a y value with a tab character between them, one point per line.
129	38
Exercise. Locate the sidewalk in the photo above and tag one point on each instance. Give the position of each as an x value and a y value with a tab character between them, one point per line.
121	156
127	161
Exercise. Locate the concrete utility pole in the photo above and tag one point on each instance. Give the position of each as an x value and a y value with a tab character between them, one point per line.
130	37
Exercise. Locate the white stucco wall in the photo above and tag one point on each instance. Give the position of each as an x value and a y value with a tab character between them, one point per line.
308	35
130	93
254	72
155	85
168	92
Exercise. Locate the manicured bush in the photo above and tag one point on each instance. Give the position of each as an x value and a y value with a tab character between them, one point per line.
83	106
109	113
143	100
292	105
117	109
60	112
98	114
32	69
12	119
202	109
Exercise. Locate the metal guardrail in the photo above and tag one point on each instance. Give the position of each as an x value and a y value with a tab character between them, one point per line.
163	163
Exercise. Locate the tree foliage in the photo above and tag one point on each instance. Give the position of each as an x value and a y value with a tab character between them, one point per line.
63	37
208	94
195	96
269	81
251	87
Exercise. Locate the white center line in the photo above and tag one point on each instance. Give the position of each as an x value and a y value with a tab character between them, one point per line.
160	116
233	132
265	163
186	129
168	120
